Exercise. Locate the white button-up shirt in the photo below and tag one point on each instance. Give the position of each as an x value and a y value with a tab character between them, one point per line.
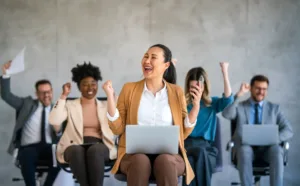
31	132
154	110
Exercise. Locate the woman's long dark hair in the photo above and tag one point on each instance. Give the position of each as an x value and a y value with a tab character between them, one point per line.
170	74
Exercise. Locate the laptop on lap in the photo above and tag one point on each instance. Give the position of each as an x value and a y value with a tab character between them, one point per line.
152	139
260	134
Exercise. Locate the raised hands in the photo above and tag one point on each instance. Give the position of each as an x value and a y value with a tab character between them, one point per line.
224	67
66	90
244	88
5	67
108	88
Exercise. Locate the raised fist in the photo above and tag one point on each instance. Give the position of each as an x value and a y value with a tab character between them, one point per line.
108	89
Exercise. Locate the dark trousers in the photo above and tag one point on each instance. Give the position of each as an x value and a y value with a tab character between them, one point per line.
29	156
87	162
202	157
165	168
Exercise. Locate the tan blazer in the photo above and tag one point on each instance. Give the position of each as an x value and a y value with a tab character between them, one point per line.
128	104
73	134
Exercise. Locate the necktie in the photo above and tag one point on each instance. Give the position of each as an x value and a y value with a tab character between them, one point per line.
43	125
256	116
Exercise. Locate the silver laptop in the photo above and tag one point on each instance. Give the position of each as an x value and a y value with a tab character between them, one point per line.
260	134
152	139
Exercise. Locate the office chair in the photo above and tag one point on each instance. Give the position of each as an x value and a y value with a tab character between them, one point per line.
42	166
260	167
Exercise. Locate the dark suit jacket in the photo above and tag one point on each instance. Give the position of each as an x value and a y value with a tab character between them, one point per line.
271	114
24	107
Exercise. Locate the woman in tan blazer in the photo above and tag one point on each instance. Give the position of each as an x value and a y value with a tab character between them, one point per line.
87	141
152	101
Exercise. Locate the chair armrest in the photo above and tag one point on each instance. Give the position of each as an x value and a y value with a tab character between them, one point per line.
229	148
15	156
286	147
54	160
117	140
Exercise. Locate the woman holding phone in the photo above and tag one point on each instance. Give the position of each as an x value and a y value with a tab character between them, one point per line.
201	154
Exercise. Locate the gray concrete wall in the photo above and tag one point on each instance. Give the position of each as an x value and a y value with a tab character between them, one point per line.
255	36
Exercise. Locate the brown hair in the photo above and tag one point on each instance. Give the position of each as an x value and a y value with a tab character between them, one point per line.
260	78
194	74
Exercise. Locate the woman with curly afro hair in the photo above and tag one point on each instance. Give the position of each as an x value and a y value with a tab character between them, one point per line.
87	141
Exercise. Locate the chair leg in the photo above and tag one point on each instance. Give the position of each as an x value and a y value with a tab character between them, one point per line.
38	182
38	179
257	181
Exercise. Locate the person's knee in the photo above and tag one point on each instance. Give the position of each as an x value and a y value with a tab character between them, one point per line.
245	150
139	164
140	160
74	151
164	161
276	155
275	150
98	149
168	165
191	159
245	153
196	152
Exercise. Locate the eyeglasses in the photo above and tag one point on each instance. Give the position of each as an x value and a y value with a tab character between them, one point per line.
45	92
260	89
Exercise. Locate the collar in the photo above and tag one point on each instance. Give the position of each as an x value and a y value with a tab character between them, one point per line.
252	102
164	89
41	105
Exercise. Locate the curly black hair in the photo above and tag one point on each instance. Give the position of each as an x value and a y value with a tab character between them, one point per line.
86	70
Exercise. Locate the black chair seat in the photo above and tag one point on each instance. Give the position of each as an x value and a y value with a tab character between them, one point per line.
260	163
65	167
109	165
123	178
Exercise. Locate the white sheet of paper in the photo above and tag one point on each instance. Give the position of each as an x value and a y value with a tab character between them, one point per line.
17	65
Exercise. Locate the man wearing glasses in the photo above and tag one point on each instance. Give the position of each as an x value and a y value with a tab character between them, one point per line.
256	111
32	136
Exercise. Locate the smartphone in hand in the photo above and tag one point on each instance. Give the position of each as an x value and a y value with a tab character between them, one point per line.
200	82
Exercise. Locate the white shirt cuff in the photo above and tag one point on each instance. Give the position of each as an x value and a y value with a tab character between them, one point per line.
5	76
187	123
115	117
